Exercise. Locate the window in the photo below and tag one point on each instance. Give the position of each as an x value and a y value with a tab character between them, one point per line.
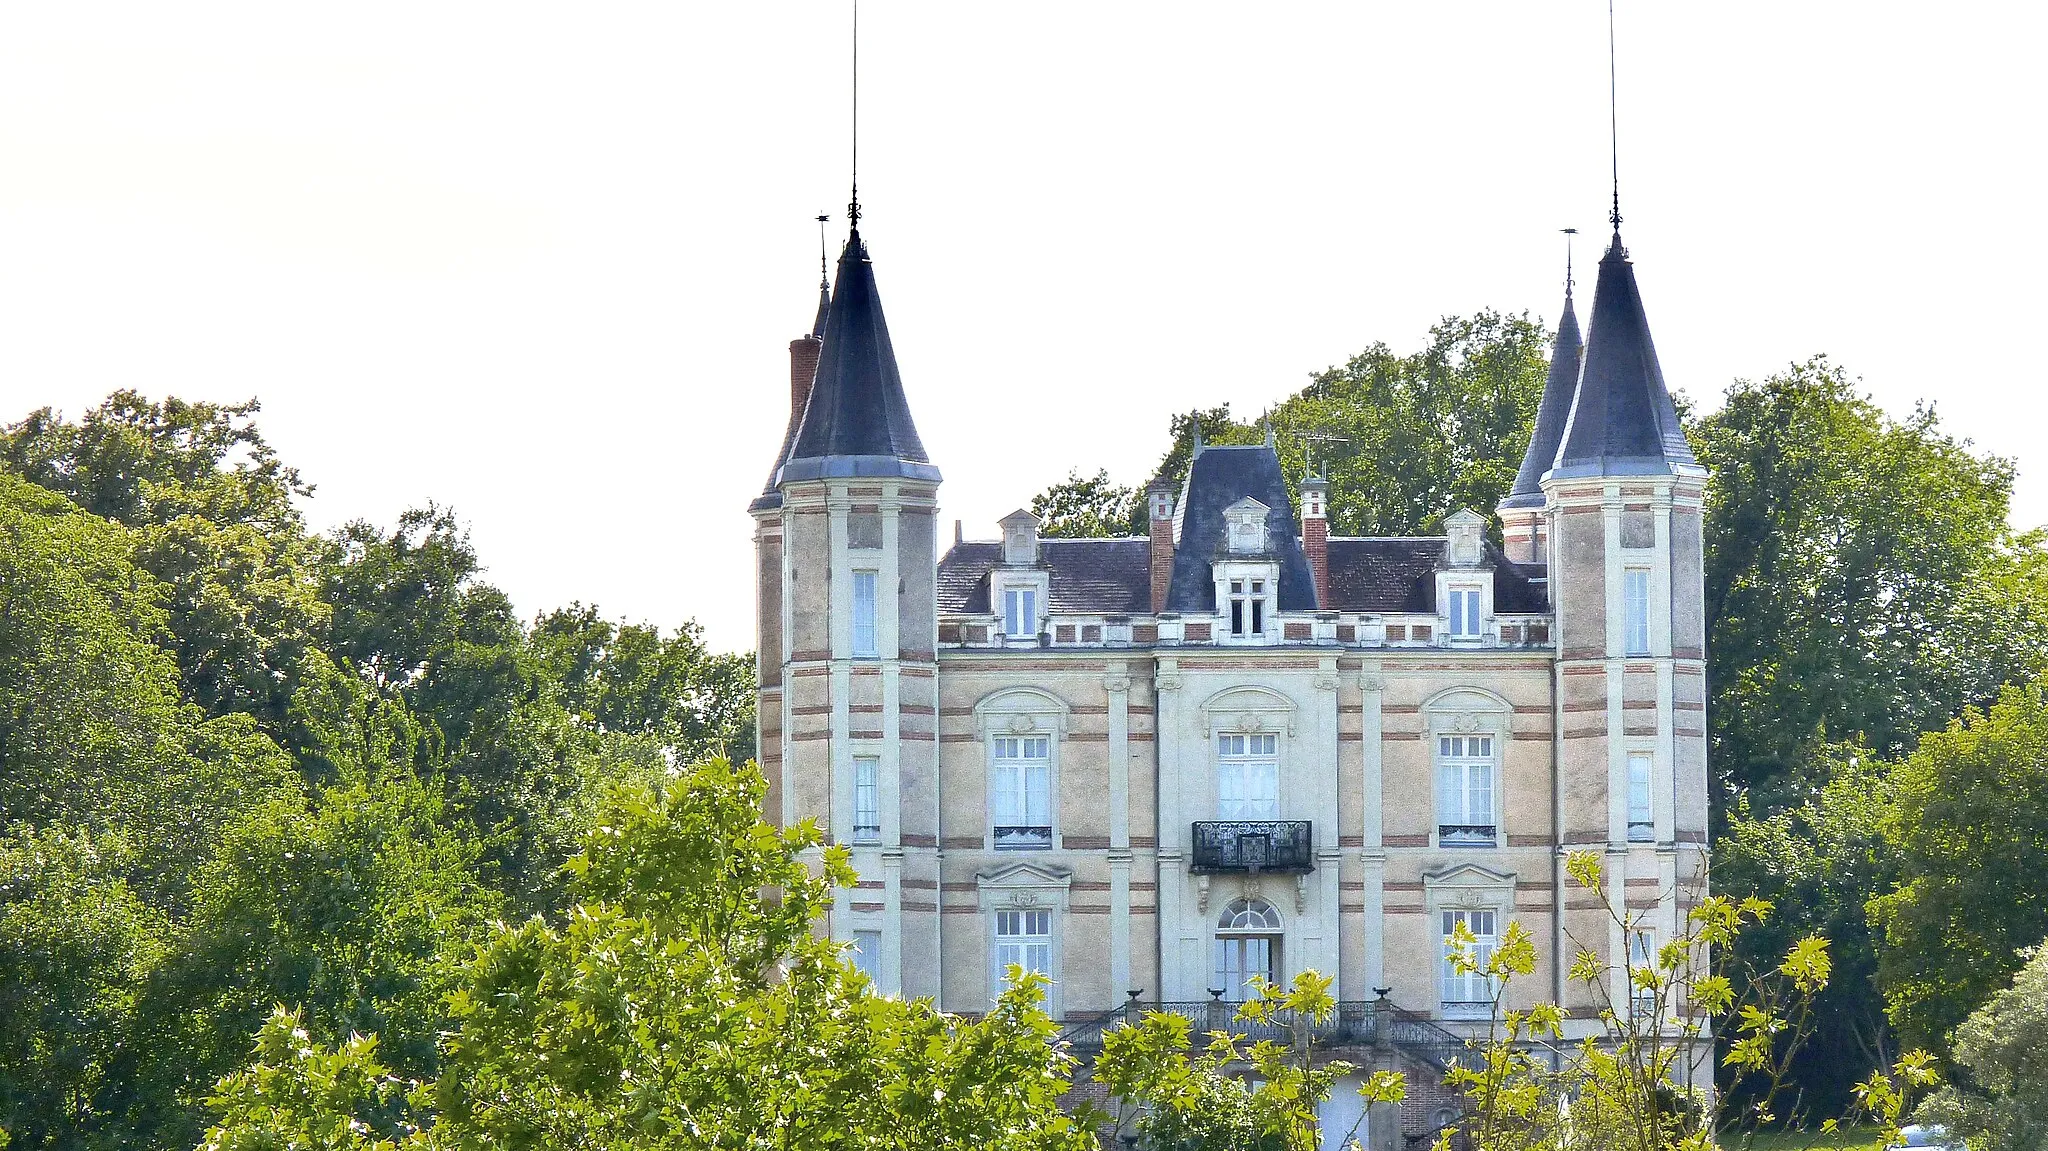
1247	947
1020	612
1247	777
1464	613
1247	607
1468	993
1635	594
866	953
1464	791
1021	806
1023	939
864	614
867	805
1642	825
1642	956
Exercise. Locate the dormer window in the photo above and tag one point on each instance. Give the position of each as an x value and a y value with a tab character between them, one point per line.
1247	607
1020	612
1465	609
1020	538
1246	527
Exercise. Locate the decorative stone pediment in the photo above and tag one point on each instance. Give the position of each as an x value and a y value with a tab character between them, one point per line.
1250	709
1468	711
1024	885
1020	711
1245	523
1469	885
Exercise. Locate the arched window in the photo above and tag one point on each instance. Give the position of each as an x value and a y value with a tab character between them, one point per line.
1247	947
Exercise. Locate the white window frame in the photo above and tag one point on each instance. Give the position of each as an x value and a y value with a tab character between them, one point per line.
1471	995
867	799
1642	952
1021	886
1465	607
864	951
1248	614
863	636
1248	775
1023	936
1022	606
1233	582
1012	767
1459	759
1642	797
1246	921
1635	611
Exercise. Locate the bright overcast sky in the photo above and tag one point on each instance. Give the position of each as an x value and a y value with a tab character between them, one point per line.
542	263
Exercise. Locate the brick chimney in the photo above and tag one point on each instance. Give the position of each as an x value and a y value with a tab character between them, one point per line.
1159	497
803	371
1315	534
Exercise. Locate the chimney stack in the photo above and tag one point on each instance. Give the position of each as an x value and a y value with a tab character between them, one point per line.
1315	534
1159	497
803	371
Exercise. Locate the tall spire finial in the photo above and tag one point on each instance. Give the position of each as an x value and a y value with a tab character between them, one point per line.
1613	124
1568	234
853	204
824	254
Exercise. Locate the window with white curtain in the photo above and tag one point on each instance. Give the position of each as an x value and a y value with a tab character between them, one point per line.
867	804
864	613
1465	791
1247	948
1635	597
1247	777
1023	939
1642	824
1466	994
1020	808
1642	956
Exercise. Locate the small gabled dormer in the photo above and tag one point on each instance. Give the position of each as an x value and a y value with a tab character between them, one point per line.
1464	580
1019	590
1245	531
1247	576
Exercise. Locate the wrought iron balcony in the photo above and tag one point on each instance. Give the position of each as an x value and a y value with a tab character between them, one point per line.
1253	845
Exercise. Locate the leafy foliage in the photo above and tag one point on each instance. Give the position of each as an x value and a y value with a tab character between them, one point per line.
683	1001
1089	506
2001	1101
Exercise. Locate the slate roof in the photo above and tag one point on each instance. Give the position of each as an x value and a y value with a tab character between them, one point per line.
1113	576
1218	478
1551	411
857	421
1091	576
1622	420
1399	575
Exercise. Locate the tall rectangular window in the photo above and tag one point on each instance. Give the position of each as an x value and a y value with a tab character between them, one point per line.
1464	613
1642	823
1247	607
1635	597
1023	939
1020	612
864	614
867	801
1247	777
1468	993
1642	956
1464	791
1021	803
866	954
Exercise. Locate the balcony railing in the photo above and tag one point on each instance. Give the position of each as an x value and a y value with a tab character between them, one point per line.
1253	845
1022	836
1465	835
1351	1024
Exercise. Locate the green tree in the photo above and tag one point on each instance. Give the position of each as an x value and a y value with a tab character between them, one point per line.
214	520
1970	825
2000	1102
1862	583
684	1001
1087	506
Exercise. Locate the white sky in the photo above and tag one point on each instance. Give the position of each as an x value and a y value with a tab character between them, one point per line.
542	262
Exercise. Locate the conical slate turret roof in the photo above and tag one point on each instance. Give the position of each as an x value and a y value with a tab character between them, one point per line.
1551	411
857	422
1622	420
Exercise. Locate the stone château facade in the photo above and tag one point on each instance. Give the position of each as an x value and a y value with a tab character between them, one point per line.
1237	746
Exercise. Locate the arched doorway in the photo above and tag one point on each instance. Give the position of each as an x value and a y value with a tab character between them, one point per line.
1247	947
